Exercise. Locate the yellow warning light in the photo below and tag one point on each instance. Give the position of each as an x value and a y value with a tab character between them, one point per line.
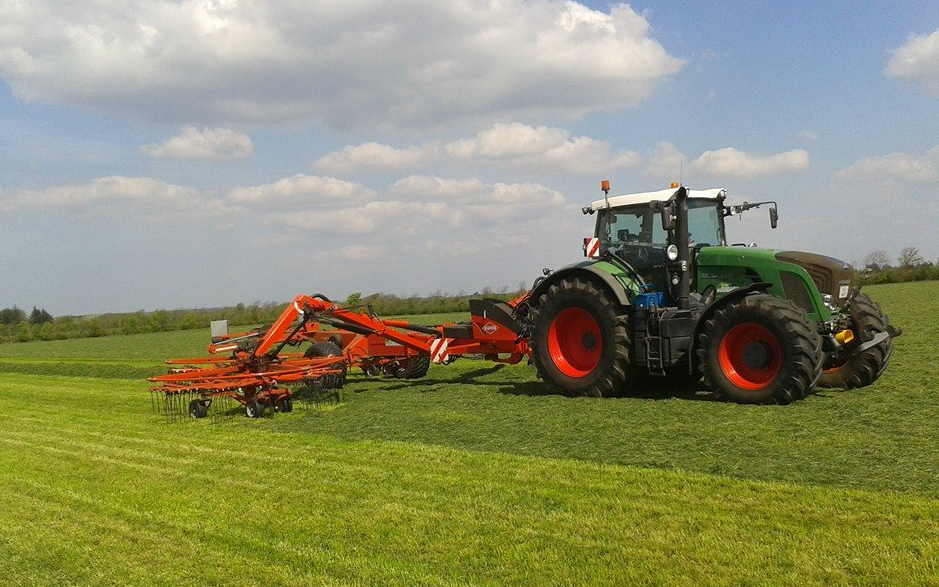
674	185
605	185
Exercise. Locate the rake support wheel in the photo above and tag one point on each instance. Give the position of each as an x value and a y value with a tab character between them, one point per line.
198	409
328	348
862	369
254	408
417	367
580	342
760	349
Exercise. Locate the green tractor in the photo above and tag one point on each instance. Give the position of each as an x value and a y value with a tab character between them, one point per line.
662	294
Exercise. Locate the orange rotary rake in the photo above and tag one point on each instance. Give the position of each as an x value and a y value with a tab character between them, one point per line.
250	371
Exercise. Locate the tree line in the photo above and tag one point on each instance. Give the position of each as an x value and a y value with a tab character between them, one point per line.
909	265
18	326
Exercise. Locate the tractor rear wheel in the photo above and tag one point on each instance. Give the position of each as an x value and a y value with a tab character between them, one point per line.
328	348
862	369
580	343
760	349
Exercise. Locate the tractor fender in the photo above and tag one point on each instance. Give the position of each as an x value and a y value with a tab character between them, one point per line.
589	272
716	305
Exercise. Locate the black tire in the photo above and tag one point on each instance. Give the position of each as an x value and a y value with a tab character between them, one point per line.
198	409
283	405
416	368
254	408
587	352
760	349
863	369
328	348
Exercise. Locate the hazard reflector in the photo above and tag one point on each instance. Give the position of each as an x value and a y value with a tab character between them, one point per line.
591	247
438	350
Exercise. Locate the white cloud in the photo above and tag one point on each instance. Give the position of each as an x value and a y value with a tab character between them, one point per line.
423	64
541	147
730	162
436	188
124	195
377	218
524	193
917	62
902	167
373	155
505	144
208	143
508	141
474	191
303	190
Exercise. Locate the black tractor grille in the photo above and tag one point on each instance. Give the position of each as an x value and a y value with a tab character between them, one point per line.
824	278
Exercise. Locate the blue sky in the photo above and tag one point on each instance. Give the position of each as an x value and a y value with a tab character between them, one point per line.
200	153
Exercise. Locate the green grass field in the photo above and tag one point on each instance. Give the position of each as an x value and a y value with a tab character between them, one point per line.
471	476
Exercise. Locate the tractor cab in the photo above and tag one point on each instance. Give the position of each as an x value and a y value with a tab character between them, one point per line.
631	227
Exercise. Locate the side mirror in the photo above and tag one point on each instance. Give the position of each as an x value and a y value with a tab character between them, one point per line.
773	217
667	211
668	217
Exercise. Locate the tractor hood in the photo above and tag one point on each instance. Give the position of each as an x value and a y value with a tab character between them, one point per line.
831	276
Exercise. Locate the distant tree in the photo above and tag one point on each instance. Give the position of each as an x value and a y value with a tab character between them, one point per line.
46	332
12	315
877	261
38	316
910	258
190	321
94	328
354	299
24	332
130	324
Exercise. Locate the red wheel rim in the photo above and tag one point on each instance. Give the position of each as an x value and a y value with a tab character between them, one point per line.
574	342
749	356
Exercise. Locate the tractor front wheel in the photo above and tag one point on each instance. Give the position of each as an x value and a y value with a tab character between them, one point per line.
580	343
862	369
760	349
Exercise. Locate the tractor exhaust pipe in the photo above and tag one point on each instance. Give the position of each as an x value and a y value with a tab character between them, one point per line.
683	287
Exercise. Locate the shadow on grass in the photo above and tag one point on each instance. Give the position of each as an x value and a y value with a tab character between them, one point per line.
646	388
651	388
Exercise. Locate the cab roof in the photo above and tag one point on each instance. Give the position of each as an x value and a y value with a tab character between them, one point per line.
661	195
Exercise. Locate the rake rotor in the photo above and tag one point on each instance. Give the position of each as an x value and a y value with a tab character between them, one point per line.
191	391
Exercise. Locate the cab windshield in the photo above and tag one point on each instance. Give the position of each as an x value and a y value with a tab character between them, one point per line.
635	232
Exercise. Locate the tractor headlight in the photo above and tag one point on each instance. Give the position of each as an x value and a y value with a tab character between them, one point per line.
672	252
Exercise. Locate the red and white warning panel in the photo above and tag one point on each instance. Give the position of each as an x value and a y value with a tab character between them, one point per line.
438	350
592	247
